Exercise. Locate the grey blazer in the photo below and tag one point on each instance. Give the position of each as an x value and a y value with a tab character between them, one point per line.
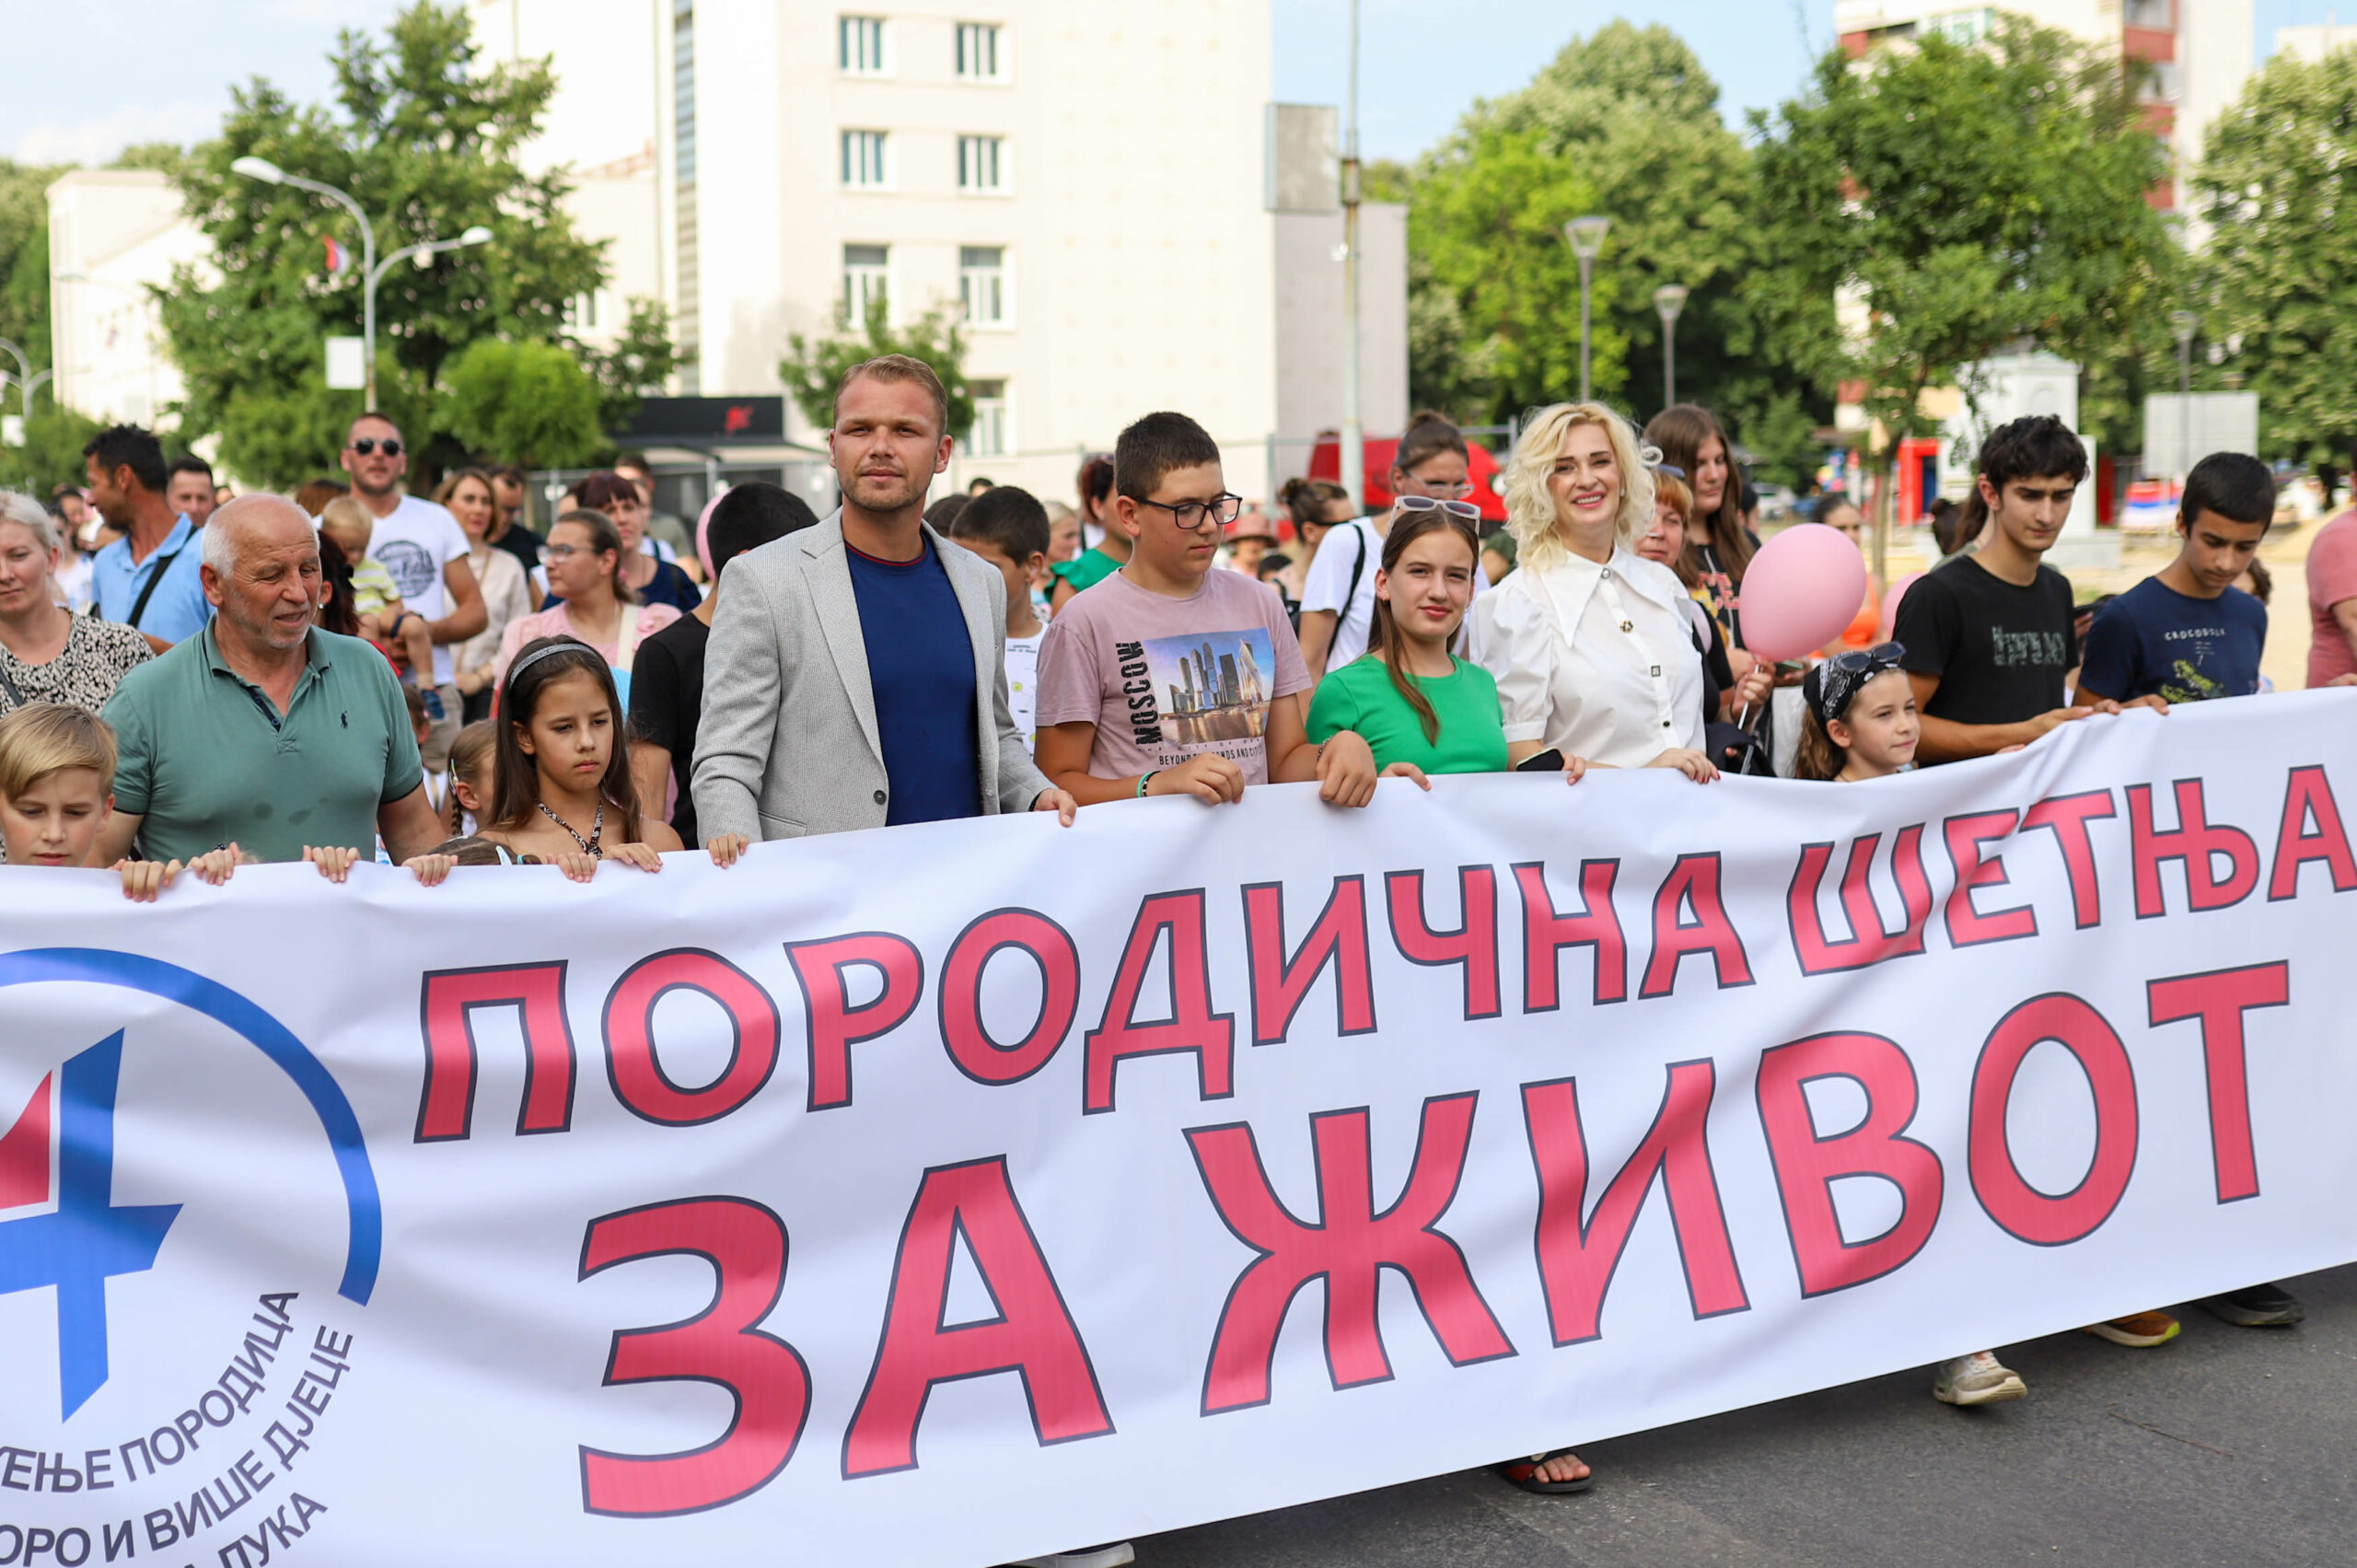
787	745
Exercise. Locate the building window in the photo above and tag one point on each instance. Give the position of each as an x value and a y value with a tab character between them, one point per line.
2156	14
981	283
864	167
978	50
988	438
980	163
859	45
868	282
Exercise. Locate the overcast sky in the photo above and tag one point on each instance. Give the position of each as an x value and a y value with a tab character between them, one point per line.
153	72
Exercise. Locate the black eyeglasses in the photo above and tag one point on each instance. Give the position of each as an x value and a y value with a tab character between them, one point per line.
1192	515
391	446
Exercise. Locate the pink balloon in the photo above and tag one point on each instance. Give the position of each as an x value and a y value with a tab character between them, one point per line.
704	533
1803	590
1890	602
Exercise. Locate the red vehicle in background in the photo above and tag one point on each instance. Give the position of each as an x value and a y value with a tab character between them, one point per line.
1326	462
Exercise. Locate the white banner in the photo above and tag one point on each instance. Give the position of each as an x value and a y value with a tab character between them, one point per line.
952	1193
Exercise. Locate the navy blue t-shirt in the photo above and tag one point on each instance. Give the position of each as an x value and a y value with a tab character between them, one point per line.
920	668
2153	638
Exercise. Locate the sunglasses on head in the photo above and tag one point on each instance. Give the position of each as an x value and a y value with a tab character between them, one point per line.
1465	509
391	446
1831	685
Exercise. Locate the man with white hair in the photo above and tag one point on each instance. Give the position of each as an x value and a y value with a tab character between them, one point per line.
265	731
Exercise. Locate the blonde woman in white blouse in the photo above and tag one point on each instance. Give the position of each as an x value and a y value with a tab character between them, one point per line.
1590	644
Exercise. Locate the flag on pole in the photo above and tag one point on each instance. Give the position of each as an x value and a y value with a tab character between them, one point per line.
338	259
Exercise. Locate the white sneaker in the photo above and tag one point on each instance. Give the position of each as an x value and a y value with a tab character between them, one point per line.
1113	1556
1977	1380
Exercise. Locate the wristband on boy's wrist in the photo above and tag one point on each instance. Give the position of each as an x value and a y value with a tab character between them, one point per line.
1145	778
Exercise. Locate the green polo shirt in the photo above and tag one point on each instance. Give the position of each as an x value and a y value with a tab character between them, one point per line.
207	758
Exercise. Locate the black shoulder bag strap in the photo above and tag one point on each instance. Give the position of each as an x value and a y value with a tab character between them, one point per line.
8	689
1358	570
149	592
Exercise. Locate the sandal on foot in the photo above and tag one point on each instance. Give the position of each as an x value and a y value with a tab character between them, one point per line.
1523	1474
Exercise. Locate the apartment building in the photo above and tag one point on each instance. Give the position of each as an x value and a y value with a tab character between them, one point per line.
2198	52
1086	184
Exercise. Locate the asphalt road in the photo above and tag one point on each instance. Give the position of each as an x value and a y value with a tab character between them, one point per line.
2225	1447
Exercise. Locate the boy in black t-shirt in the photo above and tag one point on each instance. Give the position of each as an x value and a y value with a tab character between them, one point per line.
666	676
1989	637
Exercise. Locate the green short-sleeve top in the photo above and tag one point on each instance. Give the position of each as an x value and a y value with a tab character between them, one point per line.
1360	697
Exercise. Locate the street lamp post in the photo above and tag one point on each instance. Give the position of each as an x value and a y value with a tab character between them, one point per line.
2184	322
371	272
1353	453
24	375
1586	235
1668	300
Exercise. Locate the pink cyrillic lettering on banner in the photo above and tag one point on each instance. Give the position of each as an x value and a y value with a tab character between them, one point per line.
745	1245
1473	944
1336	939
2219	999
2043	1219
446	1109
834	1025
1807	1162
1192	1026
1579	1250
2196	843
1347	1247
1033	1334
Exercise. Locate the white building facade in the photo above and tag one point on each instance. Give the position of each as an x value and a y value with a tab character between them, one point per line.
1084	184
113	233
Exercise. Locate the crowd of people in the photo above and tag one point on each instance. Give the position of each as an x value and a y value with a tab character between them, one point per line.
359	671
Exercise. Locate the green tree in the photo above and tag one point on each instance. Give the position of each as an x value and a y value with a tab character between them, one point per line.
530	403
1634	109
427	140
814	364
637	365
1624	122
2278	281
51	454
1494	289
1955	199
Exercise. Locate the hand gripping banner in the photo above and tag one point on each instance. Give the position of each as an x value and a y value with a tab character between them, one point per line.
948	1194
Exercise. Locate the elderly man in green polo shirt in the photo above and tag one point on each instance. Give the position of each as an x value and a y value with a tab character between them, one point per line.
265	731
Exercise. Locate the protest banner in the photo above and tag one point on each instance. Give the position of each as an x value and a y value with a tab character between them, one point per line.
952	1193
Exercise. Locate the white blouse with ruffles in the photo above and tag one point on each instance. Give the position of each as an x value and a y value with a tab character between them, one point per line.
1598	660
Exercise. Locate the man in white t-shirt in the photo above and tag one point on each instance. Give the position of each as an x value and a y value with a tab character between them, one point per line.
1340	591
425	550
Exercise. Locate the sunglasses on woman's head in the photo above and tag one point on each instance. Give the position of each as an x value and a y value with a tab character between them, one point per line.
1465	509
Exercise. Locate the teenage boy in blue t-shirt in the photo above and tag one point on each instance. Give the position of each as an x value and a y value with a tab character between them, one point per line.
2189	635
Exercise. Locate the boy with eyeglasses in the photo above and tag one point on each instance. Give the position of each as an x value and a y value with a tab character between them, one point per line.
1168	678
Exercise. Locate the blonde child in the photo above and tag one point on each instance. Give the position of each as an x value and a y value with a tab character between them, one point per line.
57	791
384	621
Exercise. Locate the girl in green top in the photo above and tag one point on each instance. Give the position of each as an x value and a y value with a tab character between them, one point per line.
1421	709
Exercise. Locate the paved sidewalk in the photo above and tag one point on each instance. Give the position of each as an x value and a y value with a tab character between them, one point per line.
2227	1446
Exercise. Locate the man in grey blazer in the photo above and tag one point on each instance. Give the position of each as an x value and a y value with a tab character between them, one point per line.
855	676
